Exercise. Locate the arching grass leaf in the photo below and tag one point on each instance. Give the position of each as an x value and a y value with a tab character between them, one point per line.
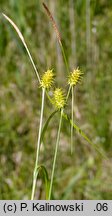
24	43
41	169
65	116
46	124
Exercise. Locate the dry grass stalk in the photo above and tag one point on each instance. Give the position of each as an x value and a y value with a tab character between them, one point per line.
53	22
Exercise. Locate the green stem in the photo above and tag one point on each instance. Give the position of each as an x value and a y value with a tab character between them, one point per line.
38	146
64	56
55	156
68	93
72	117
67	67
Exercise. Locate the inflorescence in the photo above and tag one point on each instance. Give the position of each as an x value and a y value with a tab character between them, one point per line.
75	77
47	79
59	98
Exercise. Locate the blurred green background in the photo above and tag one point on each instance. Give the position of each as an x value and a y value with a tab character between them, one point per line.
86	30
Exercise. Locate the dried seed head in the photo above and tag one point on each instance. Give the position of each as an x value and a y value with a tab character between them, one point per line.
47	79
75	77
59	98
53	22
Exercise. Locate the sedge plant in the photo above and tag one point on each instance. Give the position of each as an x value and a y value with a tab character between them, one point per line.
59	101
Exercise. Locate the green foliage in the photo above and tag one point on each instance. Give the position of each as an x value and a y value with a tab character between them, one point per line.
84	175
46	125
43	170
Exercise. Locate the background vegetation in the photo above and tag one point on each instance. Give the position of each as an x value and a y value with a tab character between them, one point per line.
86	29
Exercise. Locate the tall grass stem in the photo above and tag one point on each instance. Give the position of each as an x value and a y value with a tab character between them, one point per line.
72	117
68	93
64	56
55	155
38	145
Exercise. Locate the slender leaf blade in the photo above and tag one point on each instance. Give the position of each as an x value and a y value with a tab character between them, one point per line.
46	124
83	135
43	170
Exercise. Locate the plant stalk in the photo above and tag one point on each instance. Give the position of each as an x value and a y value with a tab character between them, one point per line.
72	120
64	56
38	146
55	156
68	93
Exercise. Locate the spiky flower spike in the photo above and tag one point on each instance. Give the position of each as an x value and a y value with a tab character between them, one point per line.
75	77
59	98
47	79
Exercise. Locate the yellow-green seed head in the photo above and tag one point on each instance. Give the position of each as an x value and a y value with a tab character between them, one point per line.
59	98
47	79
75	77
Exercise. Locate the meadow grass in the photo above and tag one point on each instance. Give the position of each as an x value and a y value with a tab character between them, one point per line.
64	115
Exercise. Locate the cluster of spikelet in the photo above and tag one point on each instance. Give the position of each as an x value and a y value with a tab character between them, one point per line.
75	77
47	79
59	98
47	82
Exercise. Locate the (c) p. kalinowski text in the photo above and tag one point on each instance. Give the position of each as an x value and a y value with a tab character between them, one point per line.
50	207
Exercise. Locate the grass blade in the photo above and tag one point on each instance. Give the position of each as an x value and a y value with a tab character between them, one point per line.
43	170
55	155
65	116
76	177
46	124
24	43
